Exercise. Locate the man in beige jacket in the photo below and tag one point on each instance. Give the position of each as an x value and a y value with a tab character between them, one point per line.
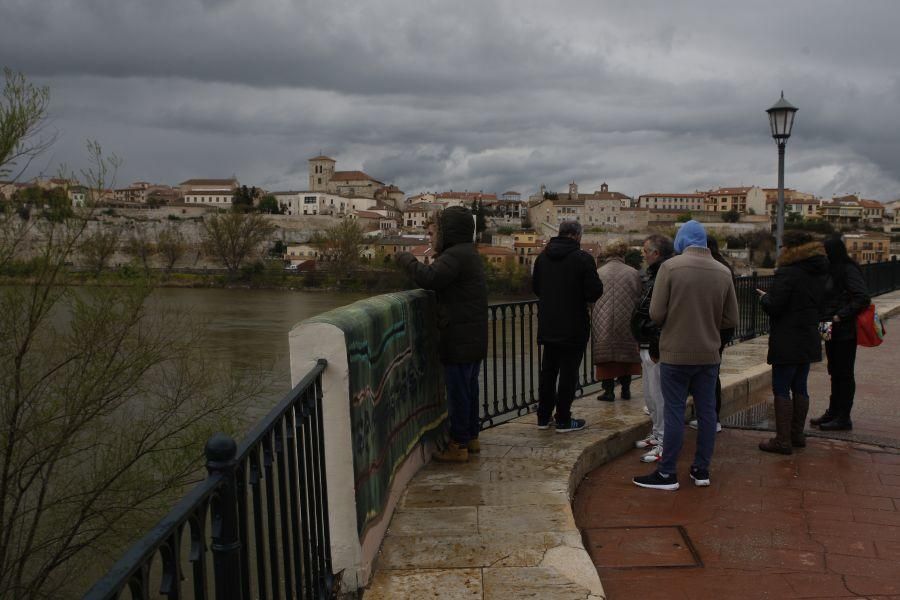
693	299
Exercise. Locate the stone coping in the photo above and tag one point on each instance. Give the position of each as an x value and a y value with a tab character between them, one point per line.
502	526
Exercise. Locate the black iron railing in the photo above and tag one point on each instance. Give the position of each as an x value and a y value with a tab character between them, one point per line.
257	527
509	379
882	277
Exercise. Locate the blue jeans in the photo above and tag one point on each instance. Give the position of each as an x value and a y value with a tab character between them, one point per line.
462	400
791	378
677	381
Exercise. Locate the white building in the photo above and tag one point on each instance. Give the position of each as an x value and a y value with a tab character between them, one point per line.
210	192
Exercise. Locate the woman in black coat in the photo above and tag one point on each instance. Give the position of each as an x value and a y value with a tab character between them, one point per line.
845	297
794	305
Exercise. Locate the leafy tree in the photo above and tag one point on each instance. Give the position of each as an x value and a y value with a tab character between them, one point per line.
684	217
269	204
139	246
732	216
98	247
171	245
278	248
233	237
341	247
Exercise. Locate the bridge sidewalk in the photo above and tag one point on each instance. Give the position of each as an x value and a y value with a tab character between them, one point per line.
502	525
821	523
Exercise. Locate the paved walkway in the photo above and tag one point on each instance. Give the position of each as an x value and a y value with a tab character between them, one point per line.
822	523
502	525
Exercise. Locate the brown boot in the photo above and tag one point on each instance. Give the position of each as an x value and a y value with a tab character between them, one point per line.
781	443
453	453
798	421
474	446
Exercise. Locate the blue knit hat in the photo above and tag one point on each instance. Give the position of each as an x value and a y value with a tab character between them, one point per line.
690	234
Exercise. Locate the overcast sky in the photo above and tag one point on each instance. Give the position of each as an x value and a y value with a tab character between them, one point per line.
647	96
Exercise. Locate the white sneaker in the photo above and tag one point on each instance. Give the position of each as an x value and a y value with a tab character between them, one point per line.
655	455
648	442
693	425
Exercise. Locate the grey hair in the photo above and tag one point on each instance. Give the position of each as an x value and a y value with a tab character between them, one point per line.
661	244
570	229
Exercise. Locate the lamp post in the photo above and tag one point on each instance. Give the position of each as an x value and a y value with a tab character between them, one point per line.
781	120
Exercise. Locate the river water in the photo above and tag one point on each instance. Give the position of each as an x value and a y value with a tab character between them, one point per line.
248	329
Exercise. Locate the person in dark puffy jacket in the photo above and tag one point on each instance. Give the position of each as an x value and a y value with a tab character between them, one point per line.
565	281
794	305
845	297
457	277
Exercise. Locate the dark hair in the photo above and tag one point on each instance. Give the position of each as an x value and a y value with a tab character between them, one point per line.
795	237
837	251
570	229
661	244
713	245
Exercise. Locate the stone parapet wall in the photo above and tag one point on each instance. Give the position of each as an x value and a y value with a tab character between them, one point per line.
384	411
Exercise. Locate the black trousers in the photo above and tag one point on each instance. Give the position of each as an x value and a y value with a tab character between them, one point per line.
841	356
559	379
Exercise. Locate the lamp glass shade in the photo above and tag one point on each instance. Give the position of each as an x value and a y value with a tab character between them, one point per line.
781	118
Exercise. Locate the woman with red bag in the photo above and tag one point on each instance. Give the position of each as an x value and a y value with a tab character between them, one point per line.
845	297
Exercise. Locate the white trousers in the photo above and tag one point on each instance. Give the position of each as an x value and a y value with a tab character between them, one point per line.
653	393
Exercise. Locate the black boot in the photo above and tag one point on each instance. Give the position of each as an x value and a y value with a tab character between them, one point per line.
838	423
826	416
798	420
781	443
608	395
625	382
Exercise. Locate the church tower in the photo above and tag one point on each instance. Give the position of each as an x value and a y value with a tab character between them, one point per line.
321	169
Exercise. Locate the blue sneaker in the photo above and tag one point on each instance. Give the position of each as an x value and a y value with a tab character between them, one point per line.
570	425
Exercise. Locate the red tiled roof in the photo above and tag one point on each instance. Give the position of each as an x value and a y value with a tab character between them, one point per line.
673	195
352	176
467	195
871	204
223	182
734	190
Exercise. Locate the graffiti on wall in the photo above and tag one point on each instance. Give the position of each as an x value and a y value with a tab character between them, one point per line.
396	388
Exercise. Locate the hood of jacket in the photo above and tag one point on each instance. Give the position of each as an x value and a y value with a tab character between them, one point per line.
455	225
690	234
560	247
810	257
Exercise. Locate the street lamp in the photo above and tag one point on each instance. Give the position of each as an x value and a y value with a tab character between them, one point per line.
781	120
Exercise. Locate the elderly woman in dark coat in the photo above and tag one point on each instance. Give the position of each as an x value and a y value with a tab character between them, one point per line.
614	350
794	305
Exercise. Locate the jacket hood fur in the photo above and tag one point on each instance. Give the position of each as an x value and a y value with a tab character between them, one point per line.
796	254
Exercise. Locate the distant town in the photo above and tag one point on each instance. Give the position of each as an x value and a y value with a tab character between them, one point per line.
513	227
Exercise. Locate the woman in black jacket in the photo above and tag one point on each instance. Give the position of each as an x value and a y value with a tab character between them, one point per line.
794	305
845	297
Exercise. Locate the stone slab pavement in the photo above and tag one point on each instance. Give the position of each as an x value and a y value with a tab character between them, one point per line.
822	523
502	525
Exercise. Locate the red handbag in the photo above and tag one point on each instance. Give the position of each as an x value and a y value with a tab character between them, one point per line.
870	330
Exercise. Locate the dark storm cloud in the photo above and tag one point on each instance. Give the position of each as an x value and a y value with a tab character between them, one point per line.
646	96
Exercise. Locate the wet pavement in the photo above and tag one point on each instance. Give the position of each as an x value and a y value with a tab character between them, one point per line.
821	523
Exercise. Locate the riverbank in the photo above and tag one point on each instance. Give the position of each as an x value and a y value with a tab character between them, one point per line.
371	281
